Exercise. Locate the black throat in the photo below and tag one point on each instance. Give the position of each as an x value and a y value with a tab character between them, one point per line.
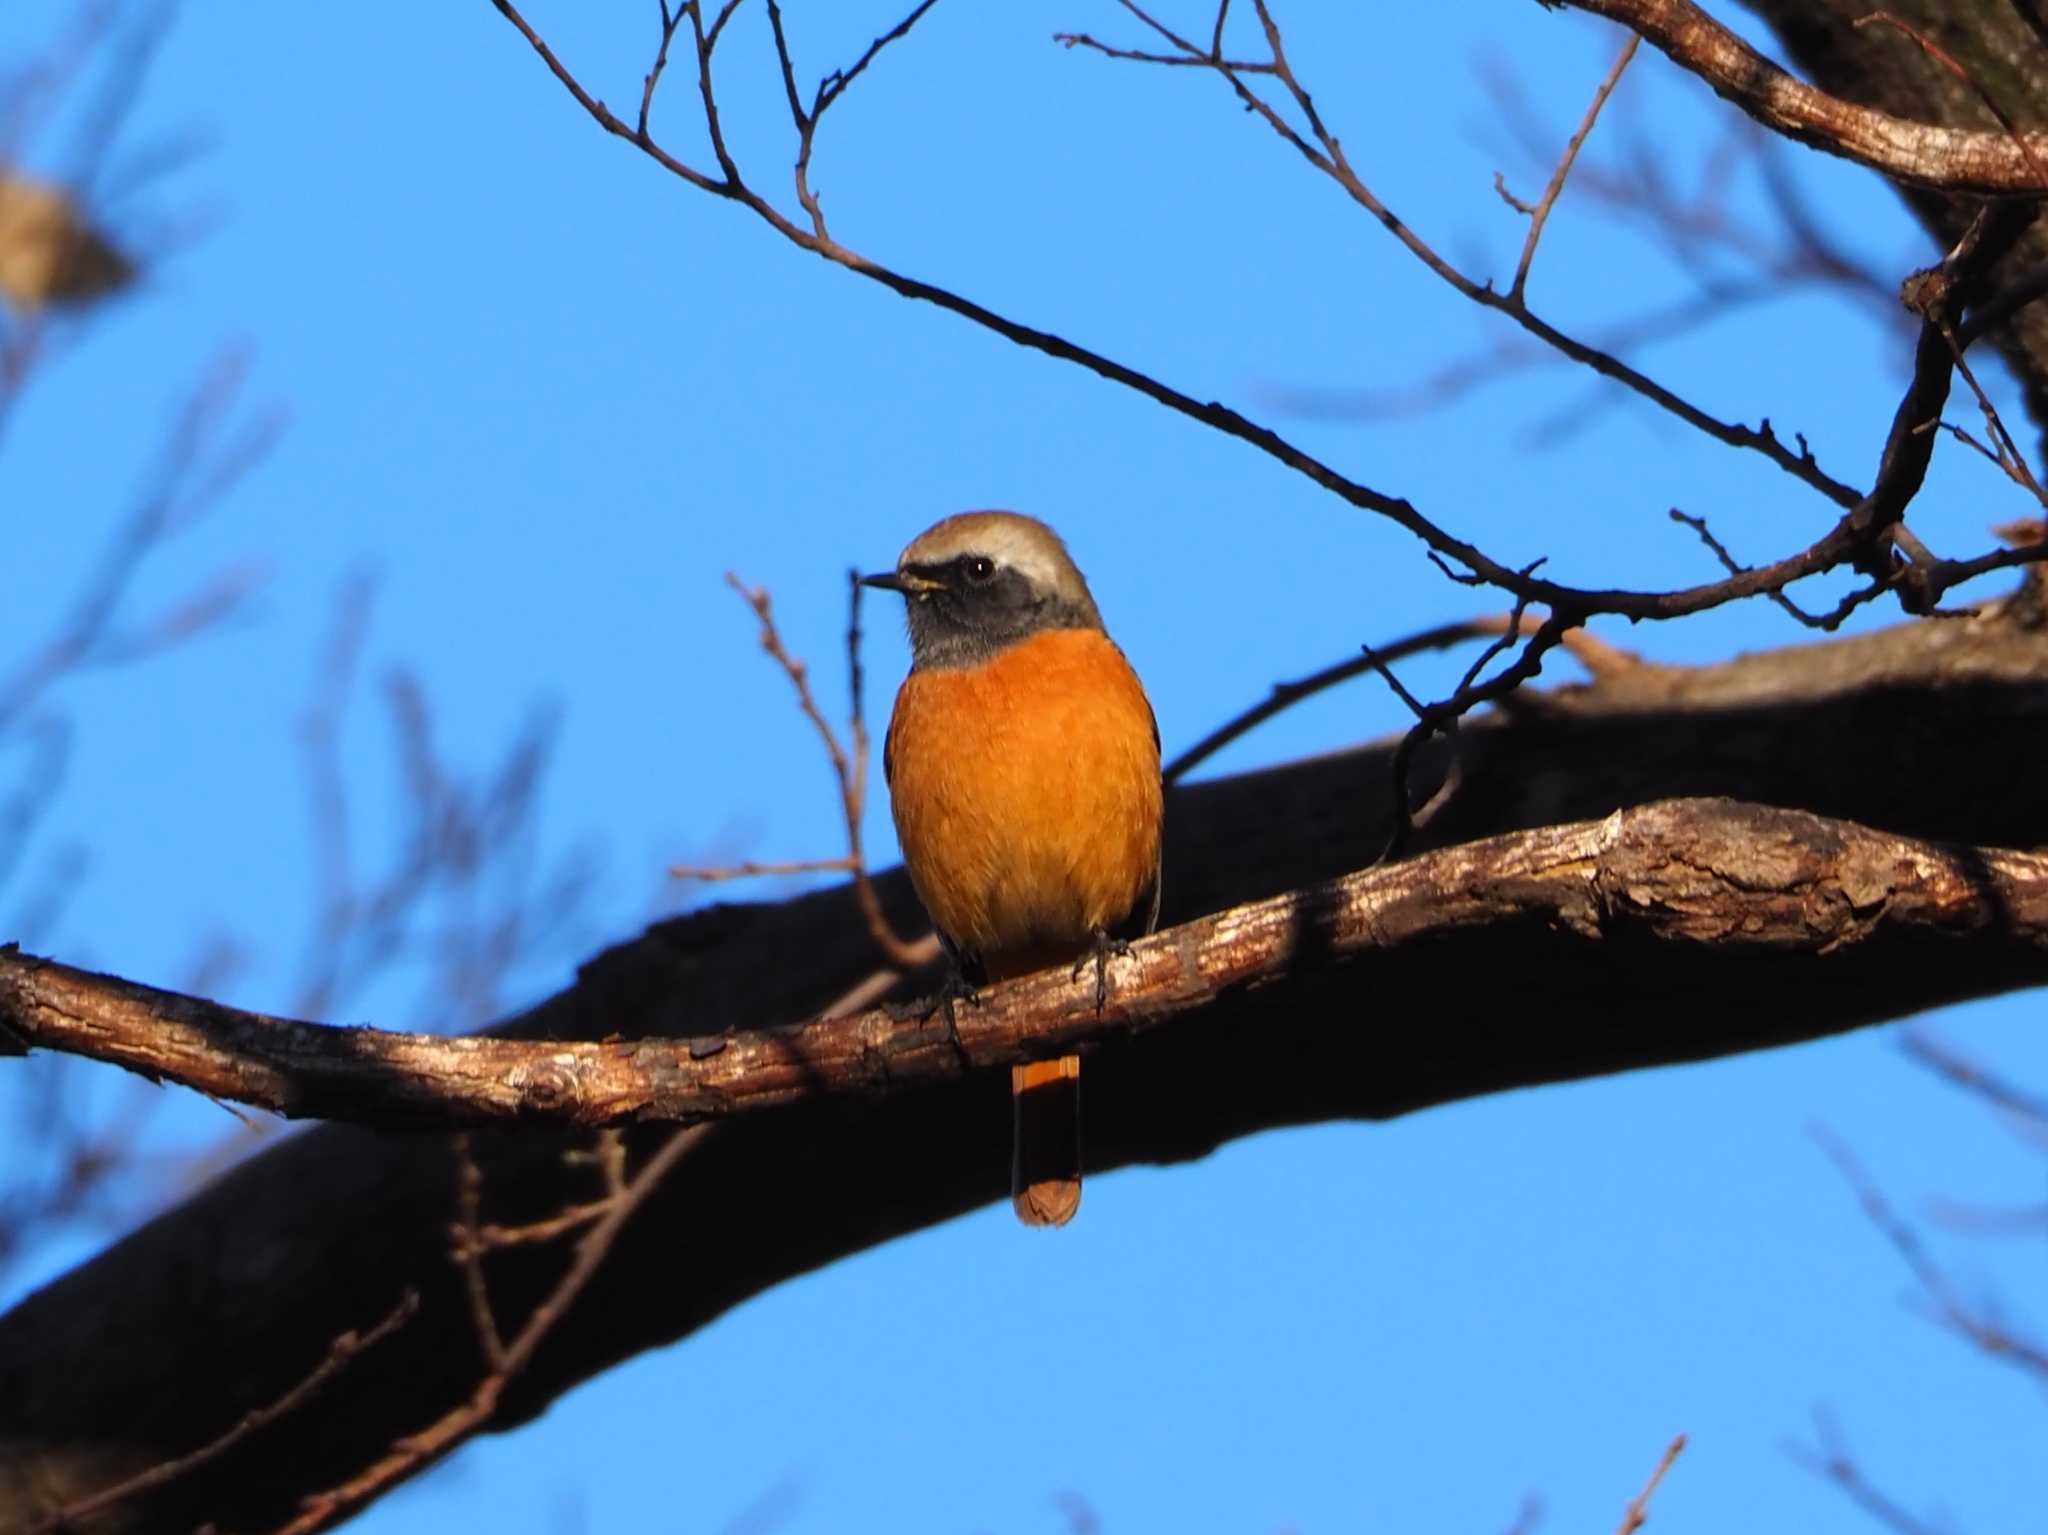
964	622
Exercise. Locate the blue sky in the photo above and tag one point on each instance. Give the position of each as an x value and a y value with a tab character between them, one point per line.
547	396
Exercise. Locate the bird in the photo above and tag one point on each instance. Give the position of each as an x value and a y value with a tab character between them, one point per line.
1023	768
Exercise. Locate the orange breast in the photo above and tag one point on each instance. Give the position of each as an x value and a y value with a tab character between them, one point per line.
1027	798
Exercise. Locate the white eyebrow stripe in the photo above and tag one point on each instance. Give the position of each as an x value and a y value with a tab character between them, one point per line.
1023	544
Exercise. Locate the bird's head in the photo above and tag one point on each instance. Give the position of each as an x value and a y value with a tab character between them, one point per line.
980	582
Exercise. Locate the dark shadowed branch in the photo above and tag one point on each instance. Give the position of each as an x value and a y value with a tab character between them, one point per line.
505	1360
319	1234
342	1353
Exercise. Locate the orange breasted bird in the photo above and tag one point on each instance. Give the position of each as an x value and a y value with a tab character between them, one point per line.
1023	768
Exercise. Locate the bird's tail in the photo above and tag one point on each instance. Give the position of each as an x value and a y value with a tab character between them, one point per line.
1045	1158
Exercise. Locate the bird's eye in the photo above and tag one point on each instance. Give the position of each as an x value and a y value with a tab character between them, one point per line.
980	568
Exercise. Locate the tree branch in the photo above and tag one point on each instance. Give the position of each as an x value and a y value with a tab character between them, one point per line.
1321	148
1922	154
1539	213
1858	539
344	1351
1708	873
1997	43
324	1232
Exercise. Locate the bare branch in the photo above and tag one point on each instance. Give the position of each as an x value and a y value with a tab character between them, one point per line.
1834	1462
1638	1512
1828	621
1314	1047
670	20
1973	1078
848	768
834	85
1540	214
415	1451
1442	718
343	1352
748	868
2008	457
1322	149
1860	538
1591	882
204	454
1984	1332
469	1253
1089	43
1947	159
1947	61
603	114
1287	694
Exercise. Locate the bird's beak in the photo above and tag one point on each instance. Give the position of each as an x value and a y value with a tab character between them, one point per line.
902	581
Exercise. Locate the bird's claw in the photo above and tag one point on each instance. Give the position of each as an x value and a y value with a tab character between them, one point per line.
1098	955
957	989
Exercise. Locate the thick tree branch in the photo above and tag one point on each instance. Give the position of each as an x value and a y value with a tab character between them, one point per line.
1998	46
1988	163
1711	874
117	1367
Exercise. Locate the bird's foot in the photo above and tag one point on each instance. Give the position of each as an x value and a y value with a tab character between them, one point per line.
1098	955
956	989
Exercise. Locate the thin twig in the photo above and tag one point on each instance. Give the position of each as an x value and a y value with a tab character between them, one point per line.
1500	358
1541	213
834	85
1093	44
412	1452
1835	1463
1638	1512
712	874
341	1353
1734	567
1973	1078
469	1253
850	770
857	731
539	1233
2008	457
1862	538
1442	718
1988	1336
1285	695
1321	148
670	21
